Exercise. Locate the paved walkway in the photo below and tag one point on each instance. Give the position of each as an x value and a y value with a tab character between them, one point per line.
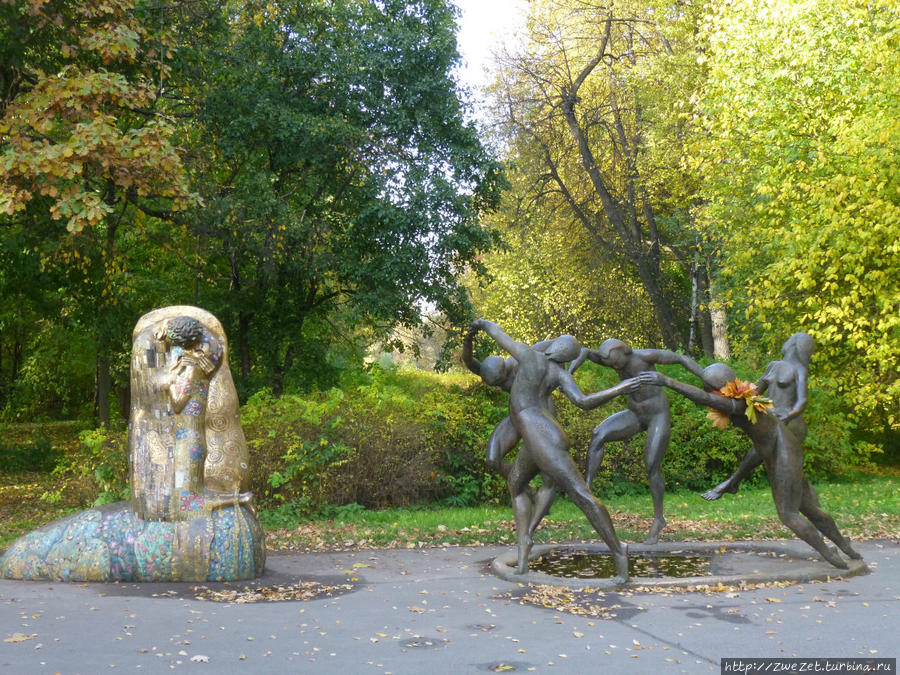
437	611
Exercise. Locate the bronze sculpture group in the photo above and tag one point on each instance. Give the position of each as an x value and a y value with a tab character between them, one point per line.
191	516
775	426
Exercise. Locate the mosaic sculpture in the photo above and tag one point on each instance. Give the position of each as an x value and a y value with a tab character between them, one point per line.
190	517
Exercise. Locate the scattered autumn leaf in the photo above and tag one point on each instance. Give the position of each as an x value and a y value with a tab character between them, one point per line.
20	637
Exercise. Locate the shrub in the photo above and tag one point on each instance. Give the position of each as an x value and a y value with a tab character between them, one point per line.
97	468
35	454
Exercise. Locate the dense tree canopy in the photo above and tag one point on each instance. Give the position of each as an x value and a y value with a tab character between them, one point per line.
307	171
84	146
340	178
304	170
579	102
799	126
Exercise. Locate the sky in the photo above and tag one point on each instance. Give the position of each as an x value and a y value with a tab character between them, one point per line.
483	25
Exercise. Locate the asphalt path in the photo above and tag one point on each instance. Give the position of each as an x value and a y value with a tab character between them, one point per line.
434	611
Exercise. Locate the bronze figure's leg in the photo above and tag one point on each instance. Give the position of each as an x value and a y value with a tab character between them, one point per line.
550	448
619	426
543	500
809	507
745	468
523	470
788	488
658	431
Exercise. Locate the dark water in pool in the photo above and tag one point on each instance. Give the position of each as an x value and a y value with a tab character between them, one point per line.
571	563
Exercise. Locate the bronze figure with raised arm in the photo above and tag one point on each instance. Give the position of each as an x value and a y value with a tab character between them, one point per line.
785	381
498	372
781	454
647	410
545	446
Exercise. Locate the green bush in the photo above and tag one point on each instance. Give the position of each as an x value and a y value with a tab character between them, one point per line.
402	437
399	437
389	438
35	454
98	468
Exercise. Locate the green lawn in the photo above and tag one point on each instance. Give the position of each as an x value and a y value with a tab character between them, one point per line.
864	506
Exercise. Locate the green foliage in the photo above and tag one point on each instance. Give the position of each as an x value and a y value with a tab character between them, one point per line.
799	121
86	152
391	437
342	185
100	461
36	454
55	378
598	218
549	279
303	463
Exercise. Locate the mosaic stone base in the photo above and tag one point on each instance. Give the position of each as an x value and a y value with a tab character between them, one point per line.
110	543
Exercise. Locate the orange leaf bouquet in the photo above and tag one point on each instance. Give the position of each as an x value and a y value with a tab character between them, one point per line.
742	390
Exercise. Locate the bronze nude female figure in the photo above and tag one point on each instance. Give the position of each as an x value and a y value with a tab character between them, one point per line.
785	382
782	454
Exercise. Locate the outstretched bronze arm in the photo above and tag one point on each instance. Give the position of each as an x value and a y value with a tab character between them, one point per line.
514	347
580	359
468	358
692	393
568	386
665	357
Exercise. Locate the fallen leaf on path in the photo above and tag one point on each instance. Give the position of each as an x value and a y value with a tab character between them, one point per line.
303	590
20	637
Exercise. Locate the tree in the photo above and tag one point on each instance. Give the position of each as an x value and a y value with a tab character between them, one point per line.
801	123
582	102
548	279
83	143
343	186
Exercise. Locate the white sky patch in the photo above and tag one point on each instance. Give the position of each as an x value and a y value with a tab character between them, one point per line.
483	26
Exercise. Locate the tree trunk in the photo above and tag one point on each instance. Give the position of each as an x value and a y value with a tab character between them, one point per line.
123	395
664	317
244	344
704	320
103	390
695	301
281	370
721	350
647	262
16	360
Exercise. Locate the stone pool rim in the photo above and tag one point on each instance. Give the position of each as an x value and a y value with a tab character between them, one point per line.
813	567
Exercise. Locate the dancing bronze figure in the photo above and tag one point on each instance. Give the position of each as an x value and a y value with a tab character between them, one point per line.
647	410
545	446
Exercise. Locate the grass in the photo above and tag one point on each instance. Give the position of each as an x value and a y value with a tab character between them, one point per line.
864	506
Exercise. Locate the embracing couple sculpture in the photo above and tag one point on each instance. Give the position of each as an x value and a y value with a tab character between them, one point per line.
190	516
534	372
